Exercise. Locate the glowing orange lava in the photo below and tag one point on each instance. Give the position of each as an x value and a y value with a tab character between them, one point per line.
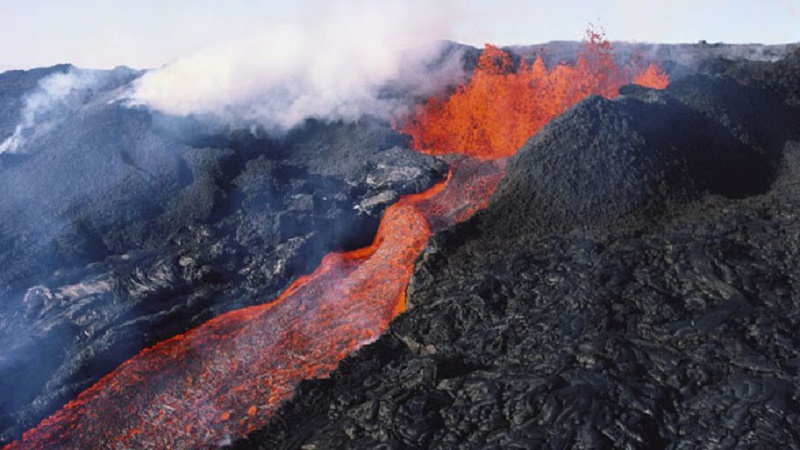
500	108
225	378
652	77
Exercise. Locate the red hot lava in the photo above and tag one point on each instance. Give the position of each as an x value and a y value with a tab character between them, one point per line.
225	378
500	108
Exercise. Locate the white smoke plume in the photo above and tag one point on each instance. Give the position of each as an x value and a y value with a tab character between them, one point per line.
331	65
55	96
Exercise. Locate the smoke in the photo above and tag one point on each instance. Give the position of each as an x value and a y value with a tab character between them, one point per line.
53	99
334	64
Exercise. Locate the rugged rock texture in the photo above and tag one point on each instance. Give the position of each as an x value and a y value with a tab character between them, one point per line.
633	284
120	228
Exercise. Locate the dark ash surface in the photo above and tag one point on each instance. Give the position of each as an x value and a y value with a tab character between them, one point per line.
634	283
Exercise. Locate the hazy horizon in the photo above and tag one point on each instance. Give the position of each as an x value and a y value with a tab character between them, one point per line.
151	33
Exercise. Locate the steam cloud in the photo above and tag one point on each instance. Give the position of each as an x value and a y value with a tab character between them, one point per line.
332	65
54	97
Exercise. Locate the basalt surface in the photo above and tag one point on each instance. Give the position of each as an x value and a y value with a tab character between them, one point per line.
633	283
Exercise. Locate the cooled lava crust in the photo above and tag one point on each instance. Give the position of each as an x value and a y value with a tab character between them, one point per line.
120	230
633	283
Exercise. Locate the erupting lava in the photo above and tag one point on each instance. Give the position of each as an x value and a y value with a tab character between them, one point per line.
225	378
501	108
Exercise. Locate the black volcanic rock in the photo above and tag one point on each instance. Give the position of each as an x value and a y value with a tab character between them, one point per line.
781	78
642	296
644	154
633	284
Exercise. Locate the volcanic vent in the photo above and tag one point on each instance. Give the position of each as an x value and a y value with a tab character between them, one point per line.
228	376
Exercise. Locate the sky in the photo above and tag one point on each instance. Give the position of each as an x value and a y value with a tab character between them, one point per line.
152	33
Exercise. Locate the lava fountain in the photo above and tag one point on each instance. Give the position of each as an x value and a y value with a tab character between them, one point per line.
501	107
225	378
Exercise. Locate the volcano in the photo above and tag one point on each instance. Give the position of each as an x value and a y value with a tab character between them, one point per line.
595	252
631	284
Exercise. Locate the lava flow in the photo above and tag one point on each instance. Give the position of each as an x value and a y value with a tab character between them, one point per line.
225	378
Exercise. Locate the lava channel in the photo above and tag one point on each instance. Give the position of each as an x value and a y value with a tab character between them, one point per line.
225	378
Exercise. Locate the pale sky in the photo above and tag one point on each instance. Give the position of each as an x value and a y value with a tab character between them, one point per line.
151	33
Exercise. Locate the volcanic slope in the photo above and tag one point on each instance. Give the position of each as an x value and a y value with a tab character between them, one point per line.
632	284
120	228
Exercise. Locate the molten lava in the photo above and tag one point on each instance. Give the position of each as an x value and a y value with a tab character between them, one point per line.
500	108
652	77
226	377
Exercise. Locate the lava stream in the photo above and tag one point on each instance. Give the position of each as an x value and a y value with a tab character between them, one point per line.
224	378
